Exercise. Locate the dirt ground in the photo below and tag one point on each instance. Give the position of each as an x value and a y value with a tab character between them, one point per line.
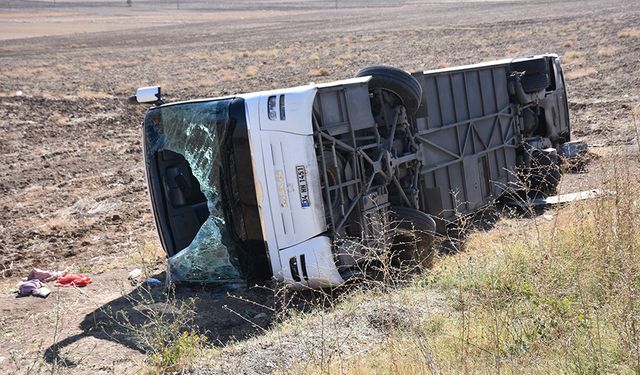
72	192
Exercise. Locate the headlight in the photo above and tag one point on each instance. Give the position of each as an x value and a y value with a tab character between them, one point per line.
271	107
276	108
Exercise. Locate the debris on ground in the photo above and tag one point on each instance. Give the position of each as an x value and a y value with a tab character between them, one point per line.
26	288
73	280
42	292
153	282
33	287
34	283
45	276
554	200
134	275
567	198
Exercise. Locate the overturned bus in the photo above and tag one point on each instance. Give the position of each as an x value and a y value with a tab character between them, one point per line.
299	184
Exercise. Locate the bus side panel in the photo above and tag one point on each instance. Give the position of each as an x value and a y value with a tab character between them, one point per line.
467	132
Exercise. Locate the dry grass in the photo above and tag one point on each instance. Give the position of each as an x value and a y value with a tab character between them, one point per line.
548	294
608	51
580	73
168	336
59	119
206	82
629	33
270	53
27	73
338	62
226	75
571	57
318	73
251	71
514	50
148	255
516	33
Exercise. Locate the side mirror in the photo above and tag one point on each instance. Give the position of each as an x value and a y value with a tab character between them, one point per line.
147	95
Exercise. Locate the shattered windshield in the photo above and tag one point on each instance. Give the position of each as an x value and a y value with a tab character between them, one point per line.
197	131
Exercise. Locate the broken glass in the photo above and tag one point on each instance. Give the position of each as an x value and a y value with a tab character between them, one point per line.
196	130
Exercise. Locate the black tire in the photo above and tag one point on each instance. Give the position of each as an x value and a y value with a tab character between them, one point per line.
531	67
544	173
413	238
534	82
401	83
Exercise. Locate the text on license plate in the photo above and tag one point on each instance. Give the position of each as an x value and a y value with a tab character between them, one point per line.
303	188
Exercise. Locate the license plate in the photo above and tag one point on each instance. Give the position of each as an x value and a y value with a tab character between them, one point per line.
303	188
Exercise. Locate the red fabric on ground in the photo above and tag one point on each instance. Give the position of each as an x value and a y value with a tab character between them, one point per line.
73	280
